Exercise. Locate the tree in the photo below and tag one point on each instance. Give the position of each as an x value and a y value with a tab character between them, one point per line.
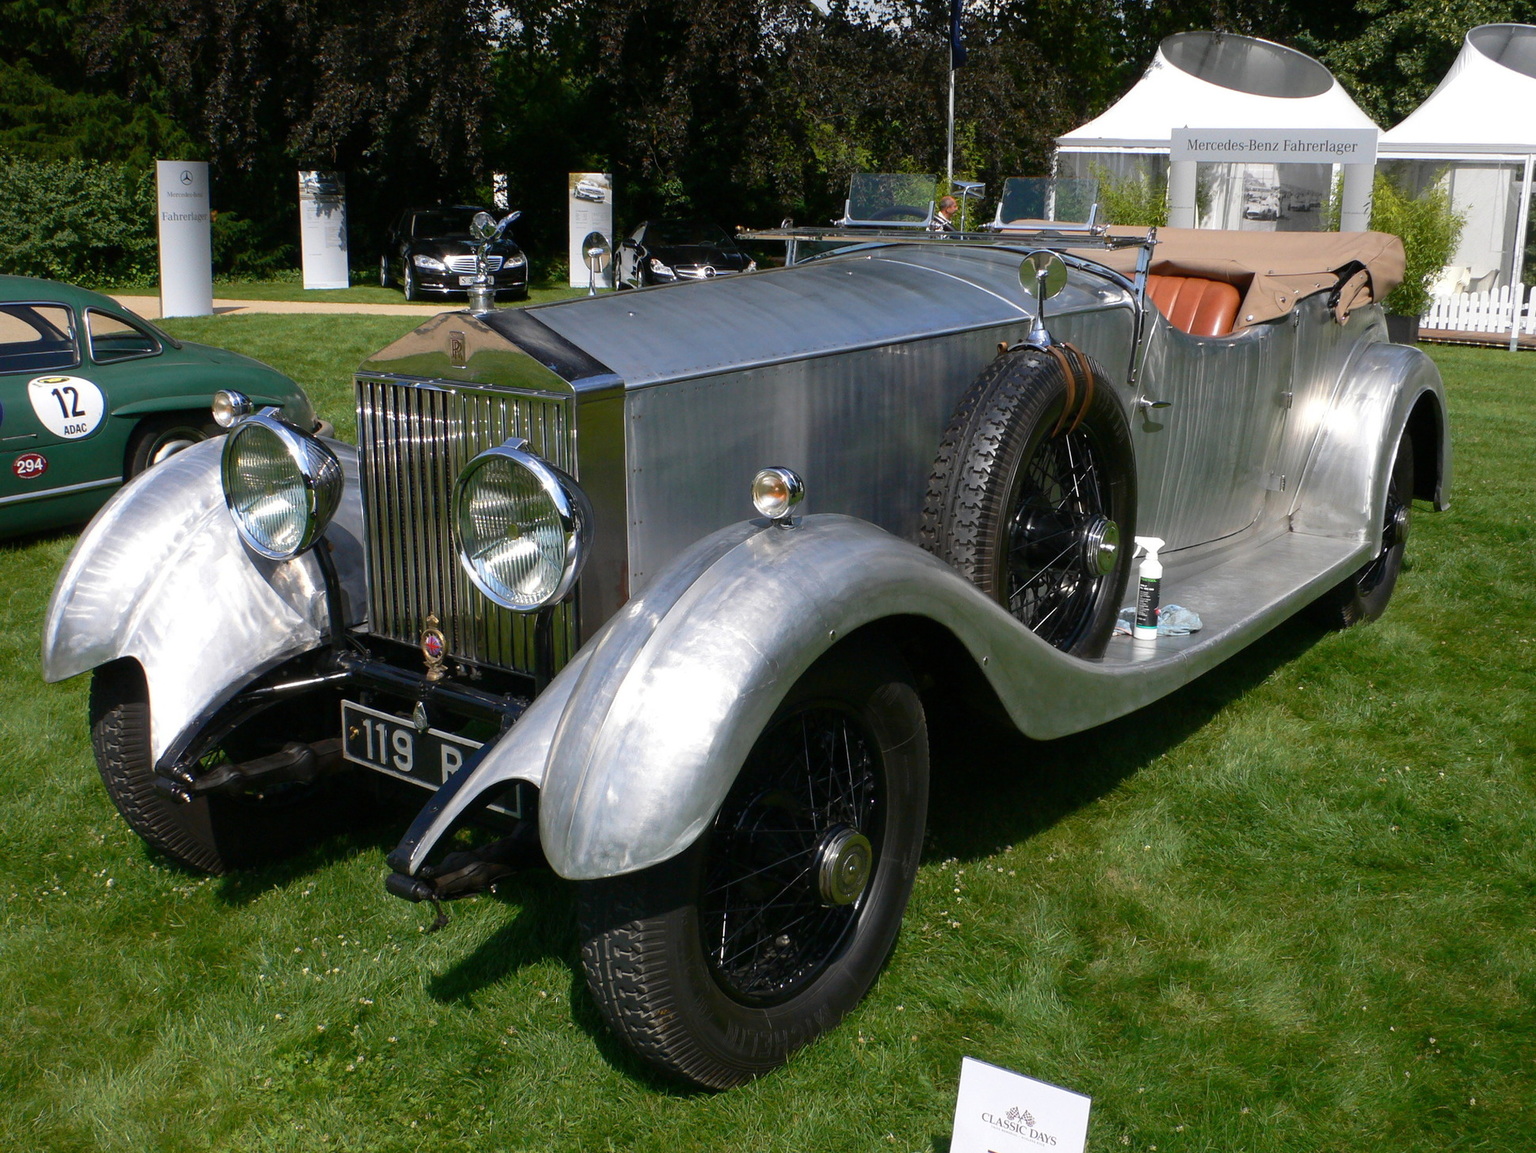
1391	54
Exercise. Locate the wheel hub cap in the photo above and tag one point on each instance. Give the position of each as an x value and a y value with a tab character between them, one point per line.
844	863
1397	526
170	448
1101	545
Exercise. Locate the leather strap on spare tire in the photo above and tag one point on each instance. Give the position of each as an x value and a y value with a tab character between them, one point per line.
1033	494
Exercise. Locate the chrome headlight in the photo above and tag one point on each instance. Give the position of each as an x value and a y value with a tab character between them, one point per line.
524	527
430	263
661	269
229	406
282	486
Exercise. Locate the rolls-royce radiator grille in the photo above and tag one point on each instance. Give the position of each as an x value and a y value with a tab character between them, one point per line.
414	439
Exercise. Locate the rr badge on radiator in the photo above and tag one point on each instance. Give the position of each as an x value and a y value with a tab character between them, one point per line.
434	647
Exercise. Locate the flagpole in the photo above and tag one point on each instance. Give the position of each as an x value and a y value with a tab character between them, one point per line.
949	156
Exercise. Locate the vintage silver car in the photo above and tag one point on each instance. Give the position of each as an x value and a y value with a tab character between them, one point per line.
537	590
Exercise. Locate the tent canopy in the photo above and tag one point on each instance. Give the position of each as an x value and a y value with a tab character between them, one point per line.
1219	80
1477	134
1486	105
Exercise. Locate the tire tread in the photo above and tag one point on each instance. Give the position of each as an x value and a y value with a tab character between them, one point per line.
120	737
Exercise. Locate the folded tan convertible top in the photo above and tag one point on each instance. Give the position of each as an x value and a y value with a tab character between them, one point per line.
1271	270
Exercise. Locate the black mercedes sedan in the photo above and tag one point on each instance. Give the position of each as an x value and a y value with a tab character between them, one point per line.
665	251
431	252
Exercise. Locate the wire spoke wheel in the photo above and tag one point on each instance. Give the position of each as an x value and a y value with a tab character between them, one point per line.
718	964
1032	494
1053	577
769	921
1363	596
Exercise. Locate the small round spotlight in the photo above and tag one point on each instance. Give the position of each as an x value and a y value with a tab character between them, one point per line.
776	492
229	406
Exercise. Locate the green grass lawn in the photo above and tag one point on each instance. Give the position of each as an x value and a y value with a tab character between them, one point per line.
1292	907
367	293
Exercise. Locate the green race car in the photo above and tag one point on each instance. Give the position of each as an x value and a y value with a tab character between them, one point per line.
91	395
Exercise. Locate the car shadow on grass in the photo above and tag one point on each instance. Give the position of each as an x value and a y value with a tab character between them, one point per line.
543	926
1028	787
362	823
992	787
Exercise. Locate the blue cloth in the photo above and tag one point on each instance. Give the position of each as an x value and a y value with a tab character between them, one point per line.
1172	621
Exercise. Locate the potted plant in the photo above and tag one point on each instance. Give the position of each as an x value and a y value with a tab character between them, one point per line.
1430	231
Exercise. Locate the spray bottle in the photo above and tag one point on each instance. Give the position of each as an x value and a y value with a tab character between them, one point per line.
1148	589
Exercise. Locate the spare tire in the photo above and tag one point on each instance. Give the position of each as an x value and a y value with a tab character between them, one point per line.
1033	495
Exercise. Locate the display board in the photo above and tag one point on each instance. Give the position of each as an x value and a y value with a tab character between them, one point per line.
184	222
590	195
323	229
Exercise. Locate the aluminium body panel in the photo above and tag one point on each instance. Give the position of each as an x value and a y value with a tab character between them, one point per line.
862	428
161	575
864	298
845	369
658	713
1203	461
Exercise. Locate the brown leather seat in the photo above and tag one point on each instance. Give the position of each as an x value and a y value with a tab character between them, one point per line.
1200	307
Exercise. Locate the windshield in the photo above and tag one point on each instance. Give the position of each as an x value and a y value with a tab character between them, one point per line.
686	232
450	225
895	197
1047	198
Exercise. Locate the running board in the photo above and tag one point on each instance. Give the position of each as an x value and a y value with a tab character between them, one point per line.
1241	598
1238	599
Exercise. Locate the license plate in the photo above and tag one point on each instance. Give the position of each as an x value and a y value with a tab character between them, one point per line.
394	746
466	281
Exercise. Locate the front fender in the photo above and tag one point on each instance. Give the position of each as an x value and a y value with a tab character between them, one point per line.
636	745
160	575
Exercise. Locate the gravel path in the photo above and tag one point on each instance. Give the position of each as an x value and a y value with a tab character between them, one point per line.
149	307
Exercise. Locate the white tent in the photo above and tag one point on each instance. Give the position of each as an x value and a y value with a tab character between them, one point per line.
1477	133
1220	80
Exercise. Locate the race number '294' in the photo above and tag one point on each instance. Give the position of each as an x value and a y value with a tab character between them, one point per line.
29	465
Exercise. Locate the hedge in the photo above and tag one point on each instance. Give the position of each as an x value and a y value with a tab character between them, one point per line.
78	220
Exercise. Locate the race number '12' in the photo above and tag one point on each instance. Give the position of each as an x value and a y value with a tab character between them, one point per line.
68	406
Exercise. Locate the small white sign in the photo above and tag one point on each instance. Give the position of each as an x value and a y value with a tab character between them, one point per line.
67	406
1274	145
591	210
1000	1111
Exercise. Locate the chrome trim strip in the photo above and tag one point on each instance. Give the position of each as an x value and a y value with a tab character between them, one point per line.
81	487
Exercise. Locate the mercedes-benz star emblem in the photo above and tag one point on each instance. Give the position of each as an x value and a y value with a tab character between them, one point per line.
186	176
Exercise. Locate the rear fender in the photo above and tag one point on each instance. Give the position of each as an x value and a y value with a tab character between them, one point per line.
1388	388
161	576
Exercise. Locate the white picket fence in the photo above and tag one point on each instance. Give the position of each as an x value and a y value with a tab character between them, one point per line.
1483	311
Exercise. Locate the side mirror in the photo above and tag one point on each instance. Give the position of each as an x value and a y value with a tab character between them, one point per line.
1043	275
598	255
